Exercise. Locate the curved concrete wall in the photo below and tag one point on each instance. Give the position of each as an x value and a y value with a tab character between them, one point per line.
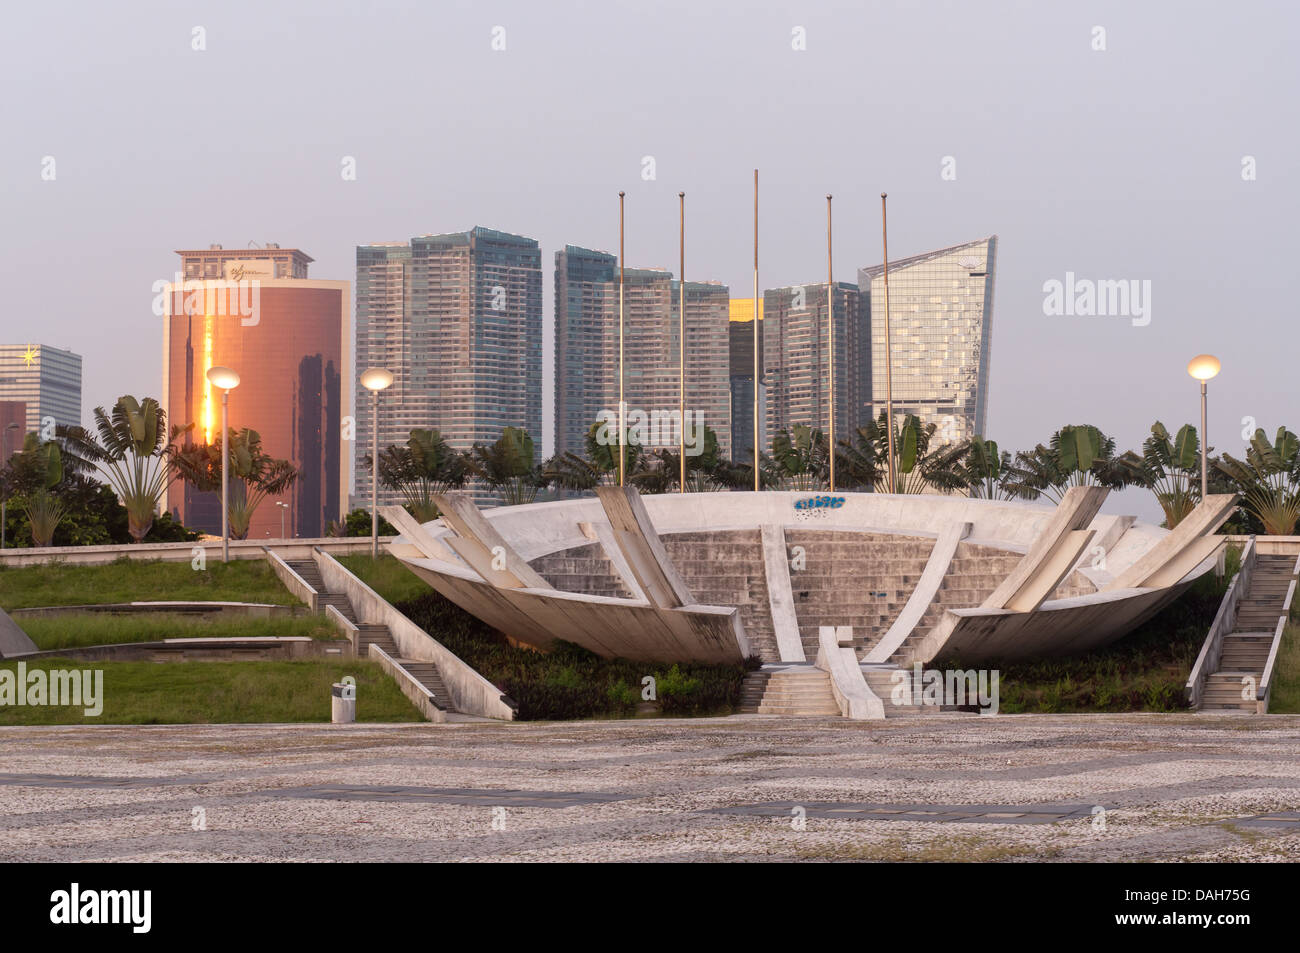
541	528
664	629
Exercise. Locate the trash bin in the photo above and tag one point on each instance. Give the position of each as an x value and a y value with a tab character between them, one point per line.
343	703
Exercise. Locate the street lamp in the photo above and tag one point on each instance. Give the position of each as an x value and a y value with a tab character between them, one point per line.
375	379
227	380
1203	367
284	508
4	461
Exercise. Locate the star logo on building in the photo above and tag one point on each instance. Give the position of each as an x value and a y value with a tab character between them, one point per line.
29	356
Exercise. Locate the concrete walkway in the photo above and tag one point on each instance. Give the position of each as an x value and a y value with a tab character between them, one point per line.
746	788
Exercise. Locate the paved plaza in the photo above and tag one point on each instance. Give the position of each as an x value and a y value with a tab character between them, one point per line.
746	788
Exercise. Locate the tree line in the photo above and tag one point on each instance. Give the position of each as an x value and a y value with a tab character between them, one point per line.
83	487
1267	477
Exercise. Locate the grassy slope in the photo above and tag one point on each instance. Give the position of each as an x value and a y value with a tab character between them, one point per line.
128	580
149	693
388	577
97	628
1285	698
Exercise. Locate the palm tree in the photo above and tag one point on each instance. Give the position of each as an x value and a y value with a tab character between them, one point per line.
705	471
1076	456
1269	480
1170	470
506	465
917	468
800	459
254	474
32	474
599	467
426	465
132	451
985	468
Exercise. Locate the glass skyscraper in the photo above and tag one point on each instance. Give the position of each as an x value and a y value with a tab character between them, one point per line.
457	319
38	382
941	321
294	358
586	347
796	359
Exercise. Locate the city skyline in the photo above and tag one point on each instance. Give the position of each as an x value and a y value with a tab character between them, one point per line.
1083	160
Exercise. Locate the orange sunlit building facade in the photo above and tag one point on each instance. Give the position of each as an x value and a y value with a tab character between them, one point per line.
290	339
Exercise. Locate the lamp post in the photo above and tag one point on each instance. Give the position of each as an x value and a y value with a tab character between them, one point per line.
1203	367
4	501
889	354
284	508
830	333
375	379
227	380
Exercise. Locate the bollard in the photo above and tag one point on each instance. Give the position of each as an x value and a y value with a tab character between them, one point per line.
343	703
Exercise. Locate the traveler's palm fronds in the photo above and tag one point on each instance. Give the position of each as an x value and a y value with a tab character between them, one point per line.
1269	480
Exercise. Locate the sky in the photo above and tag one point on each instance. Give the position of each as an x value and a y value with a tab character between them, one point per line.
1154	142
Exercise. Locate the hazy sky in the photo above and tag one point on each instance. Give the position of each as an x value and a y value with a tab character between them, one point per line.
1125	163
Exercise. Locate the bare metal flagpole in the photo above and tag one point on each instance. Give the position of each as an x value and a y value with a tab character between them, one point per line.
830	321
889	354
756	306
622	406
681	342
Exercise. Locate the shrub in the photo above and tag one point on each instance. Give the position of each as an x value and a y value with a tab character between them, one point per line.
568	681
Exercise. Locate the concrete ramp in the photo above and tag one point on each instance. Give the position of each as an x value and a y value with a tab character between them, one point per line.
415	534
13	640
1053	553
482	547
1182	550
642	548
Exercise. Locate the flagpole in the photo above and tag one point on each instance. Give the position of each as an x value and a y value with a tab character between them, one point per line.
889	355
757	376
681	341
622	404
830	321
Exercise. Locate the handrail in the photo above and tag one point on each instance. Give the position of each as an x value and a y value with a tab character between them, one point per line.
1212	648
296	585
470	692
836	657
1266	680
429	705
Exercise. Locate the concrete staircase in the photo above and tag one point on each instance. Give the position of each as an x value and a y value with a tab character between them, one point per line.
858	579
1246	647
584	569
307	571
371	633
790	690
725	568
973	574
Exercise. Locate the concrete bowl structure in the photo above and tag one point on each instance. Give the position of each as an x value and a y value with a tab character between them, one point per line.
718	577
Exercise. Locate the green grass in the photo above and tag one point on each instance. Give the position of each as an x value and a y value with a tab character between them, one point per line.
101	628
1144	671
132	580
194	693
388	576
1285	697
